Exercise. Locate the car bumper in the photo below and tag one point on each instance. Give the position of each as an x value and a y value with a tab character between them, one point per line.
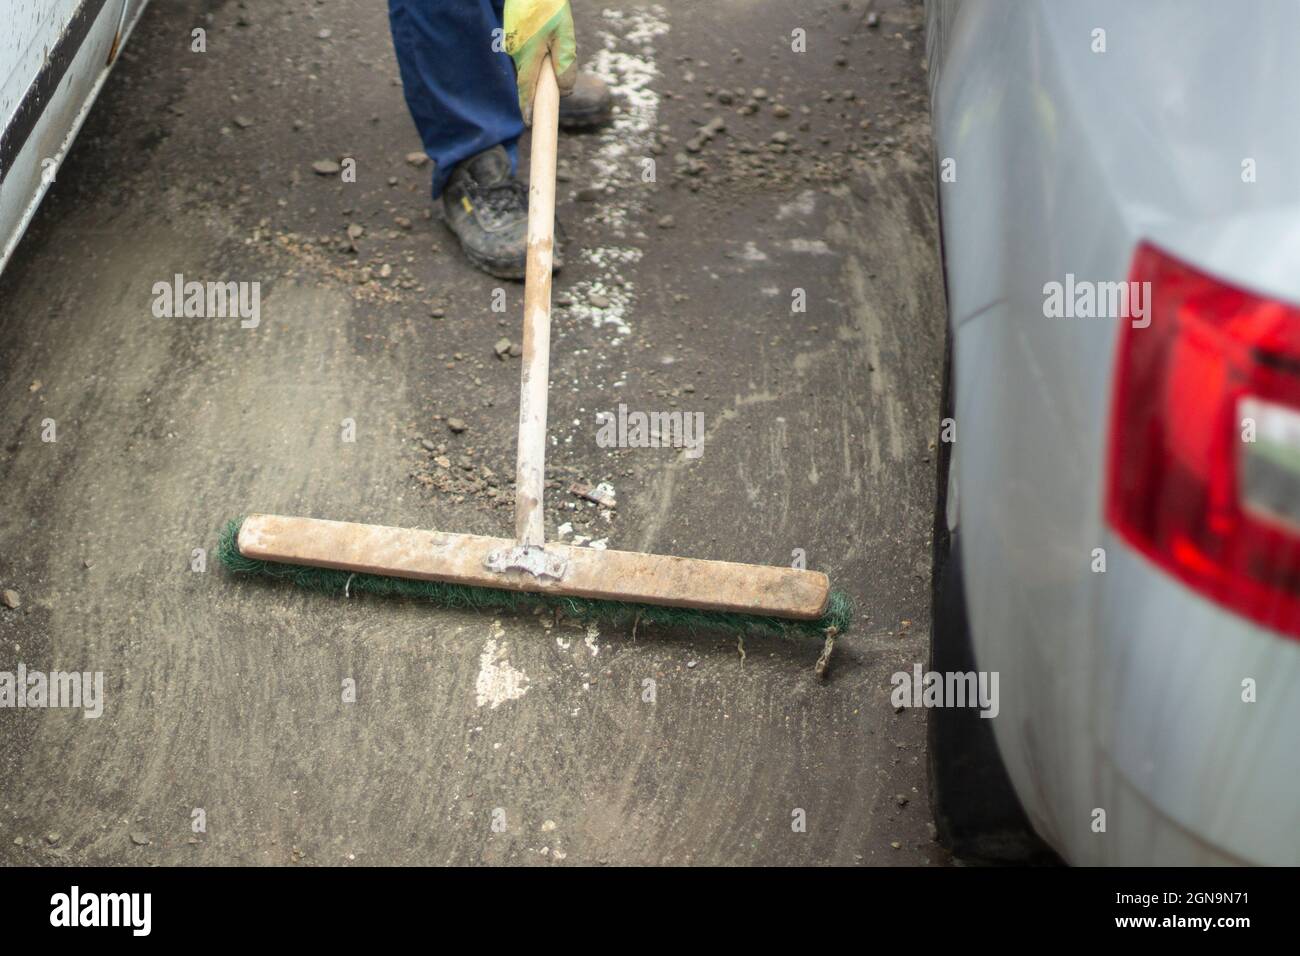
1196	713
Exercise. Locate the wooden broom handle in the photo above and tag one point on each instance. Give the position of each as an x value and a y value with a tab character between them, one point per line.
530	467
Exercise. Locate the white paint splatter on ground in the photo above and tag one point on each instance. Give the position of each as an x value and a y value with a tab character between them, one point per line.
593	636
813	247
627	62
617	177
498	680
801	207
616	293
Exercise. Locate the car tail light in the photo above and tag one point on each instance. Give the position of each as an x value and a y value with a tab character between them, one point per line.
1203	474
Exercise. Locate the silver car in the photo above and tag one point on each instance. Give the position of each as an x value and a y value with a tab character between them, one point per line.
54	57
1118	530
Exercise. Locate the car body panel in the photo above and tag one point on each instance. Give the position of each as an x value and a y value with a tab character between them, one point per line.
1121	691
53	61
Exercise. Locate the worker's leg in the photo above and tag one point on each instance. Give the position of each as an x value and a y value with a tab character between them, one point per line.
461	92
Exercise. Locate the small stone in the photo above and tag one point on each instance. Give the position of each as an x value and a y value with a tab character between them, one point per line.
53	838
11	599
548	826
326	167
598	301
243	122
691	664
841	60
667	222
896	845
87	564
589	194
139	839
602	494
516	350
501	348
442	461
873	20
417	159
428	445
436	310
35	386
781	136
325	34
456	425
780	111
758	93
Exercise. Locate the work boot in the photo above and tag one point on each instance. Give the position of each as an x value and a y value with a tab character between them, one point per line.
487	208
589	105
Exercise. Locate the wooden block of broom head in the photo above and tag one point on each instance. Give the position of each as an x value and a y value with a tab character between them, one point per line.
589	573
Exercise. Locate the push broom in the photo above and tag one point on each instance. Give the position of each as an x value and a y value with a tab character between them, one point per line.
474	571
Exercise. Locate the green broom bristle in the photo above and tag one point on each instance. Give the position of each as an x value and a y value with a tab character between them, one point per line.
839	610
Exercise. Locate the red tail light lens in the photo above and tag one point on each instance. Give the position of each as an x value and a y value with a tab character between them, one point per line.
1204	462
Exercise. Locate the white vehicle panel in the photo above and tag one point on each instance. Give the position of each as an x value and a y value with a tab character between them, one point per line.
1121	690
54	60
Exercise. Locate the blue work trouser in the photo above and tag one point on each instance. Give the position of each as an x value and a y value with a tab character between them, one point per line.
461	93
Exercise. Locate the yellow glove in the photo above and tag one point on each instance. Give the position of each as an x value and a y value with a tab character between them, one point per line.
533	29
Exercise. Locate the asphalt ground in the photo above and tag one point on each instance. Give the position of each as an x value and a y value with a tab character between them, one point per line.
471	738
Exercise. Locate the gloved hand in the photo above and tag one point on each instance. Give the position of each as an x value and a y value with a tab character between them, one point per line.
534	28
